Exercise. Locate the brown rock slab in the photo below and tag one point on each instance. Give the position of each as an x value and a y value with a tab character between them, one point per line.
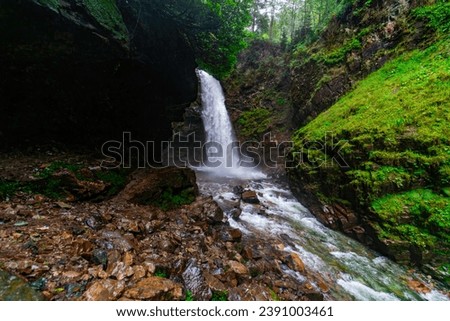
213	212
418	286
213	283
155	288
296	263
235	234
104	290
238	268
128	259
139	272
120	270
147	186
250	197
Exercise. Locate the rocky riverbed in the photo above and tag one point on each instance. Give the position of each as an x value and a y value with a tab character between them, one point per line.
130	246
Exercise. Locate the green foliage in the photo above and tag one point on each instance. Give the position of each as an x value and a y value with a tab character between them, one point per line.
339	54
108	15
160	273
378	181
437	15
170	199
218	47
219	296
189	296
116	179
57	166
254	122
274	296
8	189
413	88
395	123
52	187
420	216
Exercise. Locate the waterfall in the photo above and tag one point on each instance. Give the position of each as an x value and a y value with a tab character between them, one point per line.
220	135
223	156
349	270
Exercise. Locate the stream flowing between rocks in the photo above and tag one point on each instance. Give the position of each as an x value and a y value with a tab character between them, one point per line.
349	269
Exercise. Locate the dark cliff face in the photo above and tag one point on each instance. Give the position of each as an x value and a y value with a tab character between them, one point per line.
67	74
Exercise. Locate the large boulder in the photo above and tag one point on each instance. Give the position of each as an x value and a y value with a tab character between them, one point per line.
160	186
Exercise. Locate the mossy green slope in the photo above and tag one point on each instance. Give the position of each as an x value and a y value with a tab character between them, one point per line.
394	129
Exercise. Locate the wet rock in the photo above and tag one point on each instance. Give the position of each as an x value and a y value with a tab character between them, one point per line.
120	270
236	213
323	286
231	235
235	294
14	289
195	282
69	183
213	283
213	212
63	205
150	266
262	266
398	250
132	226
166	245
104	290
314	296
360	234
100	257
250	197
288	240
418	286
238	190
114	256
74	290
128	258
71	275
115	240
262	211
155	289
238	268
251	292
236	234
147	186
295	263
139	272
94	222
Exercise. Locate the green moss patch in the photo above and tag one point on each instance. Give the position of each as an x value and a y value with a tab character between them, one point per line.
255	122
395	125
170	199
437	15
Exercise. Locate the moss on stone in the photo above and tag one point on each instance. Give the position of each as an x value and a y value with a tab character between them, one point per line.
106	13
254	122
395	125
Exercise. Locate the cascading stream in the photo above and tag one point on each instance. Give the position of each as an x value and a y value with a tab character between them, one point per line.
350	270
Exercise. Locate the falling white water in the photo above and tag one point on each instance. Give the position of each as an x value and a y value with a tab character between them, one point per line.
223	154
